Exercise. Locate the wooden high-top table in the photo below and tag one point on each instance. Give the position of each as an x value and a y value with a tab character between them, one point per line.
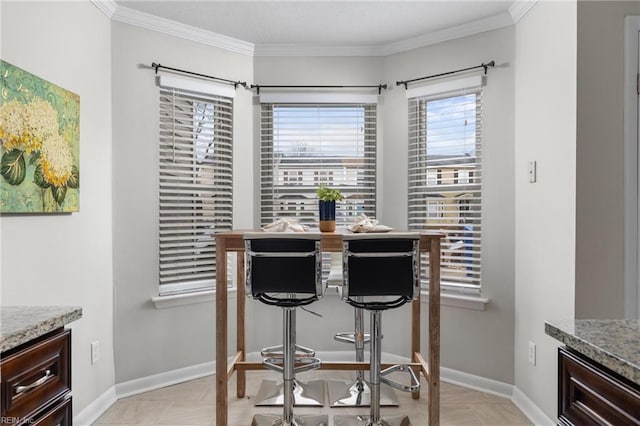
232	241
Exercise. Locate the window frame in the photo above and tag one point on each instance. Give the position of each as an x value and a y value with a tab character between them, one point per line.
212	183
417	139
314	176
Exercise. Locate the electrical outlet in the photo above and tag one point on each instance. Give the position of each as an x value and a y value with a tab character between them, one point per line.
532	353
95	351
532	171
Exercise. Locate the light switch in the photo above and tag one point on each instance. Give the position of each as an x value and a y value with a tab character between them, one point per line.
532	171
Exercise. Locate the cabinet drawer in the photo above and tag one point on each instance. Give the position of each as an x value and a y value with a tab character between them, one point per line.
35	377
60	415
591	395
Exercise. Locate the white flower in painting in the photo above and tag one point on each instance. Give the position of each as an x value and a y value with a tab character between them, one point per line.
56	160
26	126
12	115
41	120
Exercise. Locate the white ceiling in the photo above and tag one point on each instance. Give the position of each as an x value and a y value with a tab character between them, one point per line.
345	24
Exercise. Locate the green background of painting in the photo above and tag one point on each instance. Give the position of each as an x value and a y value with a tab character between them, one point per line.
28	197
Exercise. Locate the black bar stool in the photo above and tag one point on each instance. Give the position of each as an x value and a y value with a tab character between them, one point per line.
284	270
354	393
380	272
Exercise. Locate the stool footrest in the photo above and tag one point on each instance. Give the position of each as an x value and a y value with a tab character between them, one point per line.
415	382
276	352
350	337
303	364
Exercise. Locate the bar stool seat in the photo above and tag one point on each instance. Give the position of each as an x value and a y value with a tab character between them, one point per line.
380	272
284	270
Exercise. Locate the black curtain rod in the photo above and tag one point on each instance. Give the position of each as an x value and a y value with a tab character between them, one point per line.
224	80
483	65
262	86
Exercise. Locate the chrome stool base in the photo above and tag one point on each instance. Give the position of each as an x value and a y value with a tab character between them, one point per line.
366	421
303	420
357	393
308	394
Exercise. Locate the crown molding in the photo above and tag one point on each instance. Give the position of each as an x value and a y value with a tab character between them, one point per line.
167	26
108	7
315	50
475	27
519	8
144	20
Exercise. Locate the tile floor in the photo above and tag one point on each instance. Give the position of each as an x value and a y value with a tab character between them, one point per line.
193	402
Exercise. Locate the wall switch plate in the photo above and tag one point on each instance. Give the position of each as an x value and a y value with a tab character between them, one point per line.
95	351
532	353
532	171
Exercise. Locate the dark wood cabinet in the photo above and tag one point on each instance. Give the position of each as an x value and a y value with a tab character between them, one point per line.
35	380
591	394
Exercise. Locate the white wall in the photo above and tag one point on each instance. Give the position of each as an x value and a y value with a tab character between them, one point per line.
149	340
66	259
477	342
600	237
545	129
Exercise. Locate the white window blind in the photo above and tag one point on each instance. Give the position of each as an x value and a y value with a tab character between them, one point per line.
445	180
303	146
195	186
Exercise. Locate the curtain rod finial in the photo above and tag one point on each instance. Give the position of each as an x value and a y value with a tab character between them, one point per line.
486	66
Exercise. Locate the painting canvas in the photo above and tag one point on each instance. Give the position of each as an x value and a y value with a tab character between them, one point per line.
39	145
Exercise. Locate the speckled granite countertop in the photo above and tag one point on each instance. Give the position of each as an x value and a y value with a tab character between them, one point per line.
19	324
612	343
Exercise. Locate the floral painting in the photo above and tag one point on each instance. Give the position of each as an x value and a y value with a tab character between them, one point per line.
39	145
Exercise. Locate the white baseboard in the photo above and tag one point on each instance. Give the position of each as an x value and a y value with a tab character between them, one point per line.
168	378
530	409
478	383
448	375
96	408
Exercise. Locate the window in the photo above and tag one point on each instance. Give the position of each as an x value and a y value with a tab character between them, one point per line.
323	177
445	186
195	185
432	177
462	176
435	209
304	145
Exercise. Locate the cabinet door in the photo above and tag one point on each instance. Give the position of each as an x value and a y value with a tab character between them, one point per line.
590	395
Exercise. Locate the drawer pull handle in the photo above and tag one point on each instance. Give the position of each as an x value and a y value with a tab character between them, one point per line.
41	380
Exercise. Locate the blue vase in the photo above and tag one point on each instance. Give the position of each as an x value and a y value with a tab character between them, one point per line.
327	212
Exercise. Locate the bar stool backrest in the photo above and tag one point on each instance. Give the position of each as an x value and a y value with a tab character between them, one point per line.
380	271
283	269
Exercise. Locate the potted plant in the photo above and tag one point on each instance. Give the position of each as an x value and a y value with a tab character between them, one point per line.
327	207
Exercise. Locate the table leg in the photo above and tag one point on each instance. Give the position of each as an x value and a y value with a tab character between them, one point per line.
415	335
221	332
434	333
240	329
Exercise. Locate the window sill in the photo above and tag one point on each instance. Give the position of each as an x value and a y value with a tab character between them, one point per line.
476	303
171	301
